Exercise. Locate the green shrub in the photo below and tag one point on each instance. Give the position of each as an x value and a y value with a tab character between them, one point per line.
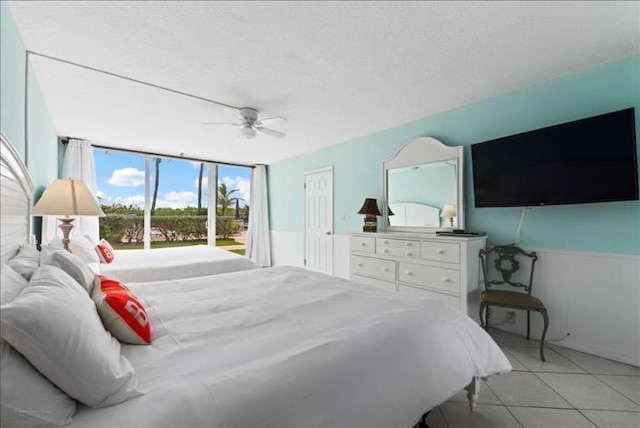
226	227
119	228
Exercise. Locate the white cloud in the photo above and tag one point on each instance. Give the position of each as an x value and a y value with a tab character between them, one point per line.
130	200
178	200
205	183
127	177
102	197
242	184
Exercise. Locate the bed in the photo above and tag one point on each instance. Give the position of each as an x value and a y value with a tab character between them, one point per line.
173	263
287	347
276	347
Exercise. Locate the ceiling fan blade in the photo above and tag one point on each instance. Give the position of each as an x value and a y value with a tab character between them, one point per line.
221	123
272	118
271	132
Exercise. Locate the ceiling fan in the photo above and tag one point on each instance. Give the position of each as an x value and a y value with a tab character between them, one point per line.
250	124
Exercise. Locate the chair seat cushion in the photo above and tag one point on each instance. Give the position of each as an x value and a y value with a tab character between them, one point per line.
511	298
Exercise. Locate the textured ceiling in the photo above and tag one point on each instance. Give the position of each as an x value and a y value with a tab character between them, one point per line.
335	70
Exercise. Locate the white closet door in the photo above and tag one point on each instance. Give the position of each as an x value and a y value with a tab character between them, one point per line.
318	220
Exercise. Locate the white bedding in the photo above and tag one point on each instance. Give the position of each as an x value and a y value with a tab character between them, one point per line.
173	263
285	347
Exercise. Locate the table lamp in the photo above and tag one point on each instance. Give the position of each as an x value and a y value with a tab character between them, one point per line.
370	211
65	198
449	211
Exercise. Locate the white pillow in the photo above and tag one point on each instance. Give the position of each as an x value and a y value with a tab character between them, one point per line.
26	262
71	264
79	245
11	284
54	324
28	399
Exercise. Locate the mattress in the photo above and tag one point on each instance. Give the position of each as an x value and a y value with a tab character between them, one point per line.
173	263
286	347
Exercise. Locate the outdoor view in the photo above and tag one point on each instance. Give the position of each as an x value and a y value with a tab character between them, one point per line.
178	203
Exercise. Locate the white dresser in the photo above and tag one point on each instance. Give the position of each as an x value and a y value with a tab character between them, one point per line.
445	268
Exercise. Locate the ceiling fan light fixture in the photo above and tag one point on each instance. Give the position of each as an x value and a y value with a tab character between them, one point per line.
247	131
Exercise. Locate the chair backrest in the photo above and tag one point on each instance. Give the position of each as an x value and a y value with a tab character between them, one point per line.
506	263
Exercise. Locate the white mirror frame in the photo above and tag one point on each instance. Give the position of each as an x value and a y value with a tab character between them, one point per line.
420	151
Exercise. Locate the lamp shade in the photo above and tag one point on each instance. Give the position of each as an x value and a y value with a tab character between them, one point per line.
449	211
370	207
67	197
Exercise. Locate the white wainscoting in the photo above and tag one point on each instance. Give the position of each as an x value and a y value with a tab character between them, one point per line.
593	297
287	248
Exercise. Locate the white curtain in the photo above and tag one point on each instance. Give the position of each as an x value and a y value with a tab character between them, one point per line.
258	241
78	163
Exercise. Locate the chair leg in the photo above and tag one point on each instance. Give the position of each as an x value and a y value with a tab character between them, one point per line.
545	316
487	315
528	323
480	314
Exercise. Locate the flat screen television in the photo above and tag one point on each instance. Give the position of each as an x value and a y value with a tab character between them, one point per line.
587	160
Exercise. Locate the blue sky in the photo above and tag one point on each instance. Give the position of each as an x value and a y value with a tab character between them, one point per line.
120	179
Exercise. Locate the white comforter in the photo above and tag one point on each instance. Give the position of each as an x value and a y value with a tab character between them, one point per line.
285	347
173	263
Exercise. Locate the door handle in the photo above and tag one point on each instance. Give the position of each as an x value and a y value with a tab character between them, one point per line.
329	233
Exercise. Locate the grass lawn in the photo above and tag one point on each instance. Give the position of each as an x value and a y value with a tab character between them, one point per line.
139	246
241	252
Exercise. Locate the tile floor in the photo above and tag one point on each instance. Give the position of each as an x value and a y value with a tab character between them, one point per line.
571	389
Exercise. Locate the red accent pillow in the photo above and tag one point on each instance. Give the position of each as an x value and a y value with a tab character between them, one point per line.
122	313
105	251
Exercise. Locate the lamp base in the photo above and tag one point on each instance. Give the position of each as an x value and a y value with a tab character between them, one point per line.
370	224
66	227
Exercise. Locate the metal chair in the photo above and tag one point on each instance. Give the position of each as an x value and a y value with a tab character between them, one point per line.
507	263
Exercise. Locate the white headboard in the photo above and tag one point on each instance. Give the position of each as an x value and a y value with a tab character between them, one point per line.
16	193
415	215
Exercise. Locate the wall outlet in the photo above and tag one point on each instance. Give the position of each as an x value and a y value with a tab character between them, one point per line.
511	317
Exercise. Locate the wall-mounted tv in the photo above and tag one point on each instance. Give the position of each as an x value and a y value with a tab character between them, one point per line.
587	160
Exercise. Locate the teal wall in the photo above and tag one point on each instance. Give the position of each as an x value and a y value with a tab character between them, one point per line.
357	164
33	134
12	80
436	186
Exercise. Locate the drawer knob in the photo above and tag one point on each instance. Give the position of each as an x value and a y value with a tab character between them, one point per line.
439	251
445	279
360	264
385	242
409	244
409	273
409	253
385	251
364	244
386	269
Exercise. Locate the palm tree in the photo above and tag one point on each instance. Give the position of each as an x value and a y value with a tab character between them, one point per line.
200	188
224	197
157	183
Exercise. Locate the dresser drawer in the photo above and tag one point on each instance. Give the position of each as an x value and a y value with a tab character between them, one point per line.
421	292
430	276
397	243
376	268
389	286
411	253
363	244
440	251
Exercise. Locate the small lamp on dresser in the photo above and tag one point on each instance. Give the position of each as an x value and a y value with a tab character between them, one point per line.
370	211
65	198
449	211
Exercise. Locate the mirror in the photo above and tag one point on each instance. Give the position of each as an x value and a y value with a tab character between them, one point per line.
423	187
